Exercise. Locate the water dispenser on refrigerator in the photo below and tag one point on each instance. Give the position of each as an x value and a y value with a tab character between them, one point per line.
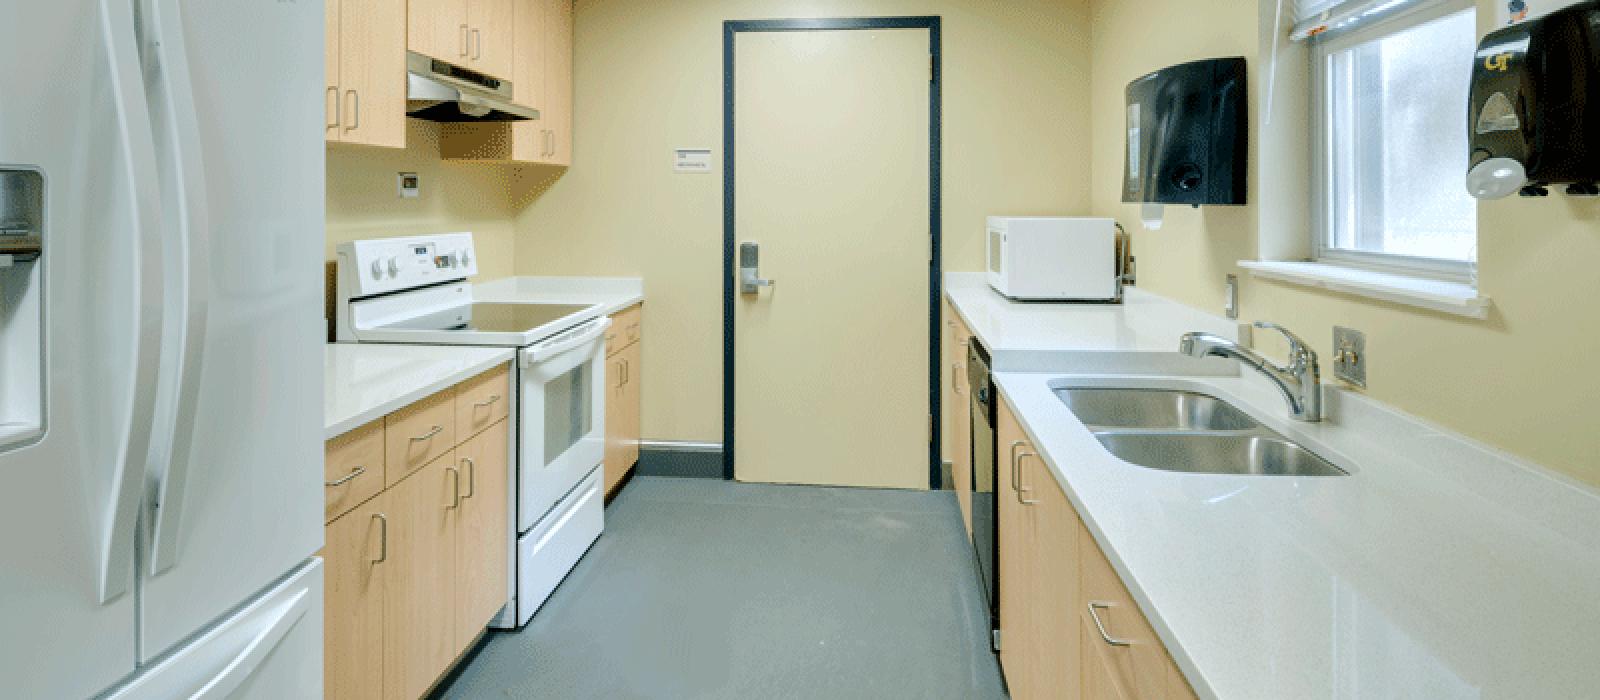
22	356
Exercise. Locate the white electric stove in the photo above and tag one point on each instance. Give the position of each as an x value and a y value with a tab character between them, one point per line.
414	290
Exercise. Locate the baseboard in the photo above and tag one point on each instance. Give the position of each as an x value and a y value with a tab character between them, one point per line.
696	460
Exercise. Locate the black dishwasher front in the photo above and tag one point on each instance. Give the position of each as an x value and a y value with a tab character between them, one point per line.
985	533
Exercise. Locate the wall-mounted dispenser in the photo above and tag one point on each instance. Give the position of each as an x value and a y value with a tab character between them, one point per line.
1186	135
1534	117
21	305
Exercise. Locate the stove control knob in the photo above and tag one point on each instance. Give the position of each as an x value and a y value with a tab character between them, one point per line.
377	270
394	266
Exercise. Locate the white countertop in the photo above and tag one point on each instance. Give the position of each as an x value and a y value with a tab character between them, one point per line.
366	381
1138	336
1437	569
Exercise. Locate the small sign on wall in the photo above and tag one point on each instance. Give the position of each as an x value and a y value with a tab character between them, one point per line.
691	160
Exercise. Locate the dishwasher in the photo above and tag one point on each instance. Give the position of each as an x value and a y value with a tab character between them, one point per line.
985	532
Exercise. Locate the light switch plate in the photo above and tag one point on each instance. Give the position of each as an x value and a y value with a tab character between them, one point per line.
1350	355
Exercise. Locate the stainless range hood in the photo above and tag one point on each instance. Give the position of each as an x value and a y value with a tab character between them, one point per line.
444	92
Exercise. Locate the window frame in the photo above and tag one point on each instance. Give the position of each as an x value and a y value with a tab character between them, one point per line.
1321	49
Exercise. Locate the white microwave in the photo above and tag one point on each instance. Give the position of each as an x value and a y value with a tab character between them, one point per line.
1053	258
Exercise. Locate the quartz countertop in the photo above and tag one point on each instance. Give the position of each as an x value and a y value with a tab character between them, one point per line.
366	381
1437	568
612	294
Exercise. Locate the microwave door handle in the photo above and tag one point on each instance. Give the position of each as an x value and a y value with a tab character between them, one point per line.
189	231
569	340
133	113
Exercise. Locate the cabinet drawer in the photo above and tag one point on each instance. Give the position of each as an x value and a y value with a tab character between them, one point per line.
352	468
482	401
627	326
419	433
1141	666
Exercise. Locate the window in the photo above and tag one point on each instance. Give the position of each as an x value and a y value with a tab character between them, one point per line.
1390	152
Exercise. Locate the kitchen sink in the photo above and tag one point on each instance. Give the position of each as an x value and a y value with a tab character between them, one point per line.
1153	409
1211	453
1187	431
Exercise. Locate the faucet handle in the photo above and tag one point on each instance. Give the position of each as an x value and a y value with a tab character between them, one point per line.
1299	349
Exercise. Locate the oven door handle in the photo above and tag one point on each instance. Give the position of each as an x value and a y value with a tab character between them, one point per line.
565	341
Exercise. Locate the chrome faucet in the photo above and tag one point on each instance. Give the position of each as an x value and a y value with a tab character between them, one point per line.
1300	382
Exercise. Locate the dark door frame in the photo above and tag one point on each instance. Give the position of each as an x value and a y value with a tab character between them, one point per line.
730	30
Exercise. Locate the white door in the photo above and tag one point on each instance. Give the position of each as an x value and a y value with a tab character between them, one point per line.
237	500
831	363
73	432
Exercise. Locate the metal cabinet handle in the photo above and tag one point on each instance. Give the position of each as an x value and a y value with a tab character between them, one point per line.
464	40
627	371
338	107
383	538
955	384
455	496
472	476
477	42
1020	489
1113	641
355	109
488	402
429	435
358	471
1015	475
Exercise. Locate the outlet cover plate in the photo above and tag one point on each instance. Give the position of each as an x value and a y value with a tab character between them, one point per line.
1350	355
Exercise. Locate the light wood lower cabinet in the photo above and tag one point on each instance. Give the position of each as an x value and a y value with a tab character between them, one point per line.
1051	573
416	571
624	358
957	432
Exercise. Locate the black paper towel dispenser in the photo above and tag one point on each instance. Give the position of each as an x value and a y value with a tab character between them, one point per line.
1186	134
1534	117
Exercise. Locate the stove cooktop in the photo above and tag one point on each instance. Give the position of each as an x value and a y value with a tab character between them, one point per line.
489	317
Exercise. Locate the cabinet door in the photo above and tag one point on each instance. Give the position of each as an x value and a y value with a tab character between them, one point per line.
961	424
1056	594
1138	667
1014	562
632	360
616	420
330	62
372	72
420	579
527	77
558	82
438	28
355	564
482	533
492	36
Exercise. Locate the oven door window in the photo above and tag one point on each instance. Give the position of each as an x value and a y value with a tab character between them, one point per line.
568	411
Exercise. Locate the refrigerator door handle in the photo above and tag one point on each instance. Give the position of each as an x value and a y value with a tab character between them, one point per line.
133	120
189	239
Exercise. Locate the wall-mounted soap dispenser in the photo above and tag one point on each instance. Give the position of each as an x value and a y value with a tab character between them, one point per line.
21	305
1534	118
1186	134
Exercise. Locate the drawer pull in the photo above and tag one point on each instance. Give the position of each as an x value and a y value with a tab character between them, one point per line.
492	400
358	471
472	476
1113	641
429	435
383	538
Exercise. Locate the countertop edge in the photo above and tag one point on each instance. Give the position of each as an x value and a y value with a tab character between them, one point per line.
420	391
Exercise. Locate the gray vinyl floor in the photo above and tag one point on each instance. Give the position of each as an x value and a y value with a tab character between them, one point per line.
711	589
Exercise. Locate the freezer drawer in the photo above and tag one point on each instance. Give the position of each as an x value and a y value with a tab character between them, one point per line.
555	544
270	649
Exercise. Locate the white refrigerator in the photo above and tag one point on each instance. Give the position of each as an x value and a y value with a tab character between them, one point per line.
161	248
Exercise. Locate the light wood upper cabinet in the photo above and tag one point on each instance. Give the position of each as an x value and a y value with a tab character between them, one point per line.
366	72
541	78
419	634
439	29
353	615
558	82
624	357
482	533
473	34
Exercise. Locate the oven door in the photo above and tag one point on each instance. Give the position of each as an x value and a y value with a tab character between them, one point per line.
562	417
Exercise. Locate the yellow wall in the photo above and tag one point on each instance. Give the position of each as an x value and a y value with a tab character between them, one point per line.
1515	380
363	203
649	79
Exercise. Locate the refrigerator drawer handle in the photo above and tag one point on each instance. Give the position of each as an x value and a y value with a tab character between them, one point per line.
429	435
358	471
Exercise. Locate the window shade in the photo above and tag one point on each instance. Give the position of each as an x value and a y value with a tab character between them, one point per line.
1323	18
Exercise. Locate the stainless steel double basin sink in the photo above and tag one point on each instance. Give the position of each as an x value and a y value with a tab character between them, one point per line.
1186	431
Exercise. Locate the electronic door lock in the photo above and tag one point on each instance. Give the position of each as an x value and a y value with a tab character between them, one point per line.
750	281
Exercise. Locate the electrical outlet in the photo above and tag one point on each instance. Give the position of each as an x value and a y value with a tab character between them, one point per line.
1350	355
410	186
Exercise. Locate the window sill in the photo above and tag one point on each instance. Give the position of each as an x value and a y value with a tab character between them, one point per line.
1447	297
